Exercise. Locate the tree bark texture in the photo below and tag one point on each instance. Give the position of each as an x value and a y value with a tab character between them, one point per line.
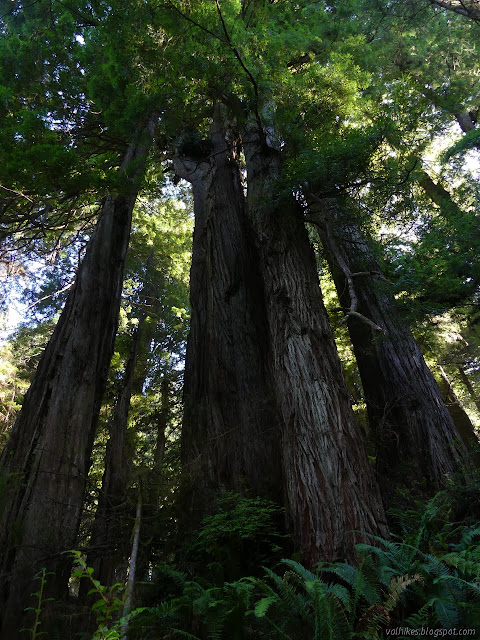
416	439
329	485
46	458
230	428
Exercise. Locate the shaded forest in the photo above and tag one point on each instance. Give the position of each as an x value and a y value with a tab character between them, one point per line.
239	298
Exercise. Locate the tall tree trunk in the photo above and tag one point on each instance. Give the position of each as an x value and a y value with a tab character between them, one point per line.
47	456
460	417
439	196
230	427
468	386
152	486
330	488
104	555
132	564
415	436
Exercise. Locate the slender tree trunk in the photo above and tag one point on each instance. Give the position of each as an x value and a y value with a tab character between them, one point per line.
104	555
415	436
438	195
468	386
132	564
230	428
47	456
152	486
330	488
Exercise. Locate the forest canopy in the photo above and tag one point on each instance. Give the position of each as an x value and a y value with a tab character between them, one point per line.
239	288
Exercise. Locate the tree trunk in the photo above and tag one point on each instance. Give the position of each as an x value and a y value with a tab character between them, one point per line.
460	417
132	564
104	554
152	487
439	196
330	488
468	386
230	427
46	458
416	439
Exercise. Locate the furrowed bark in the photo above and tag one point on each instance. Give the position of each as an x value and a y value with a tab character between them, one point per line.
416	439
46	458
230	427
331	492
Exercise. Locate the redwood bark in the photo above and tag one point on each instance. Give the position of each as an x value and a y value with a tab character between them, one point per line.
47	456
230	428
330	490
416	439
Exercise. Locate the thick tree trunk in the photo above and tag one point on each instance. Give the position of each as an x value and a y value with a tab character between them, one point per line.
439	196
230	428
415	437
47	456
330	488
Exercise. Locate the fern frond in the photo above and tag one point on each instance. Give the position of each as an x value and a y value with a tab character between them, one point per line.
340	593
263	605
303	572
179	633
362	584
397	587
372	620
447	612
468	536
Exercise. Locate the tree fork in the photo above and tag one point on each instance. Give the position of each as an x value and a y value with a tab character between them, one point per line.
230	428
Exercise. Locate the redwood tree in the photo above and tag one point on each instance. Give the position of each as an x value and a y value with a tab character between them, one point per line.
330	491
230	437
417	443
46	458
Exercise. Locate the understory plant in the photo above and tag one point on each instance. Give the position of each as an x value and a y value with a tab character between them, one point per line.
108	605
428	578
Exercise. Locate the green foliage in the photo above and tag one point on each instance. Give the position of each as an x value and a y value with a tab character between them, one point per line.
34	629
428	578
109	602
241	536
